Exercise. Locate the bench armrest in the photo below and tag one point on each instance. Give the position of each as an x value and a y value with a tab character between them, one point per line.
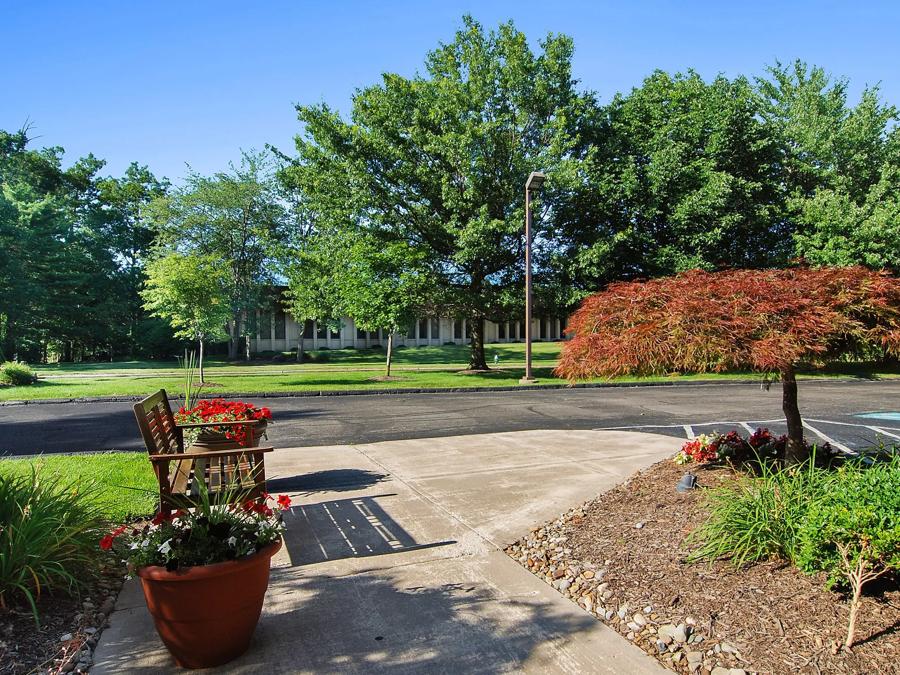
176	456
197	425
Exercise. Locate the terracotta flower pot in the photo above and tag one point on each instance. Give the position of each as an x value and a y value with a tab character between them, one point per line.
206	615
215	440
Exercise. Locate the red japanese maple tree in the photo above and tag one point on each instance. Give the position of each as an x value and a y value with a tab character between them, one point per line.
771	321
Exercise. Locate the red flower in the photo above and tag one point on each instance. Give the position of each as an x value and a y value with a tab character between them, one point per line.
107	542
160	518
284	501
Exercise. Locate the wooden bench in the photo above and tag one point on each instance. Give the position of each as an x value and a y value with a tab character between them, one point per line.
238	473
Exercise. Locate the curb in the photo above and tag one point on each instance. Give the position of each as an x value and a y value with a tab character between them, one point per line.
419	390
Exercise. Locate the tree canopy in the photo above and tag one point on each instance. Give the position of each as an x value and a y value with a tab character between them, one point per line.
71	246
191	293
764	320
680	172
438	162
236	216
382	287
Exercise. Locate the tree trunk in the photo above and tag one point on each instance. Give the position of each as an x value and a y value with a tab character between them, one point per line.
390	349
200	362
476	358
234	340
795	452
854	613
247	347
8	346
300	346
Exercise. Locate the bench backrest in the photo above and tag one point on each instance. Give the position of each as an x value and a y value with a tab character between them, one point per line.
157	424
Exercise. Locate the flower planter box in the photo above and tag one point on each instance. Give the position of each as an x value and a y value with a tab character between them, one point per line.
210	441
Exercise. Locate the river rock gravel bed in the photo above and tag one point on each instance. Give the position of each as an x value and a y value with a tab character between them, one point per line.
621	557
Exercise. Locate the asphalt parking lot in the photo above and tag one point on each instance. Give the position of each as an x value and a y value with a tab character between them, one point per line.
832	411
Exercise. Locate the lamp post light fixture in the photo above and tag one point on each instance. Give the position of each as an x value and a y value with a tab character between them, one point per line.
534	182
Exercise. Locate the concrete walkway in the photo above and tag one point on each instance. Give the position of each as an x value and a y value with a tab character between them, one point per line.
393	560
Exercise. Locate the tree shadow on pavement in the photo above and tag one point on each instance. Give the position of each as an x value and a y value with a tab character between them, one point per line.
381	623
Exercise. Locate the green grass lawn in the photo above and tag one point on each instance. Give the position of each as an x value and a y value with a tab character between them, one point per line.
125	484
444	356
339	369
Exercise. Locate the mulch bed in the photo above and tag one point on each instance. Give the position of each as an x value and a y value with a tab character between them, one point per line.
622	557
68	632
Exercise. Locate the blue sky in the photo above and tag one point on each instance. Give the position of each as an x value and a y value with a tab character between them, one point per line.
169	83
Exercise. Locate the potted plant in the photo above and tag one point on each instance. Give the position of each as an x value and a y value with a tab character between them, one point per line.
204	572
224	438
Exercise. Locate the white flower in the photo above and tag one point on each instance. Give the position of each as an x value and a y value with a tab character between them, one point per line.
165	547
232	541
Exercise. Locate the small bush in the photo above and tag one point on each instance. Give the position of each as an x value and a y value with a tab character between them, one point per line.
49	530
757	518
851	532
16	374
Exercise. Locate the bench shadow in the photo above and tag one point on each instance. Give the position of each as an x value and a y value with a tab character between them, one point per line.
331	480
346	528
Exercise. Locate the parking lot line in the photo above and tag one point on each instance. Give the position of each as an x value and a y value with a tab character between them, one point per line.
828	439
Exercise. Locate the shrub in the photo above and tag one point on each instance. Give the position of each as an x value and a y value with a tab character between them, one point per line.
852	531
48	531
16	374
756	518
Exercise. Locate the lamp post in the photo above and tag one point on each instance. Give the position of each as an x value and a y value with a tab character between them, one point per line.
534	182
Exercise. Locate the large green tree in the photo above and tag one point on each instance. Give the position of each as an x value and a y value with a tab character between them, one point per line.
63	275
682	175
438	162
839	166
237	216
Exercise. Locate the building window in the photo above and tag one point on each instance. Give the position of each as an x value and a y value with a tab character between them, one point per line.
522	332
423	329
279	326
501	331
411	331
458	329
320	330
308	329
265	325
468	329
360	334
543	323
435	329
336	334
